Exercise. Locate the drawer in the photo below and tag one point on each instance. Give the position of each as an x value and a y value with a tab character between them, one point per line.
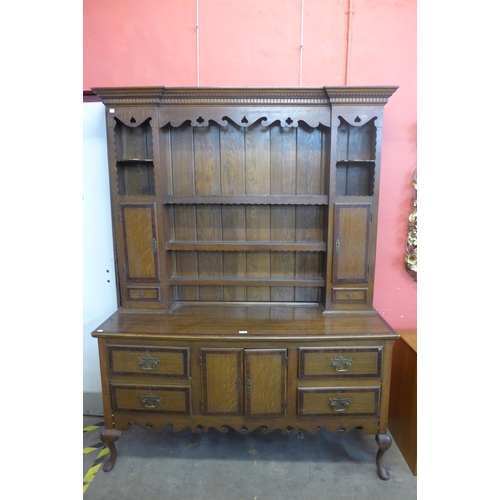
322	362
143	293
162	399
347	401
350	295
166	361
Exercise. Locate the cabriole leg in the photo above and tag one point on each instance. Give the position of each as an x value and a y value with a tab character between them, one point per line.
108	437
384	442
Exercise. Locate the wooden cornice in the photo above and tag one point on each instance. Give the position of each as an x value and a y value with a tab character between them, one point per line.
360	95
243	96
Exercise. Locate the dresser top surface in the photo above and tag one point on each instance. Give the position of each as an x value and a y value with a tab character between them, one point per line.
232	321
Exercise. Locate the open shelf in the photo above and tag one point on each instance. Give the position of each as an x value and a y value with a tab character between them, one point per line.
247	200
247	246
355	178
135	178
355	163
238	281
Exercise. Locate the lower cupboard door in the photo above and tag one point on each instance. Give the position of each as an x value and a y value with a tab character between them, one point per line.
346	401
222	374
265	376
152	398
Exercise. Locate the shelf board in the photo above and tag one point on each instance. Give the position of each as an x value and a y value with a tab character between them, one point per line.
247	200
247	246
135	160
356	161
245	281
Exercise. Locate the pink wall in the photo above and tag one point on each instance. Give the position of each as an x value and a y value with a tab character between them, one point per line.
257	43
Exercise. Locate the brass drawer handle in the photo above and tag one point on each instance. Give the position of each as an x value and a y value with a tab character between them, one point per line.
339	403
238	384
341	364
147	362
150	400
249	386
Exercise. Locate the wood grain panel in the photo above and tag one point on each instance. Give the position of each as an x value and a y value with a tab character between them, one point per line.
309	227
265	376
139	231
208	217
283	157
283	182
207	160
310	161
234	263
351	238
232	160
208	223
403	401
282	263
257	150
183	183
258	263
182	160
257	159
185	263
222	371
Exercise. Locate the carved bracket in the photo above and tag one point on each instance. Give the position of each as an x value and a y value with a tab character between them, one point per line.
356	119
130	118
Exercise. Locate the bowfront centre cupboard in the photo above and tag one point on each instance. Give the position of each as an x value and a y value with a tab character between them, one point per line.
245	224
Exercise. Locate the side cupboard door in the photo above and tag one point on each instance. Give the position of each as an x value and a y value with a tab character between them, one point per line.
140	245
351	243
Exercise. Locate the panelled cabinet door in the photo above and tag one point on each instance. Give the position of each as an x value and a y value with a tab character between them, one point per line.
351	242
139	241
249	382
265	379
222	374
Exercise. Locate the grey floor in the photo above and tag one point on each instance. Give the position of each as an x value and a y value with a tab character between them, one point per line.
214	466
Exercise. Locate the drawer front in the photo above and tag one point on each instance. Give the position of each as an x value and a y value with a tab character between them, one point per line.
143	293
350	295
158	399
339	362
169	361
347	401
